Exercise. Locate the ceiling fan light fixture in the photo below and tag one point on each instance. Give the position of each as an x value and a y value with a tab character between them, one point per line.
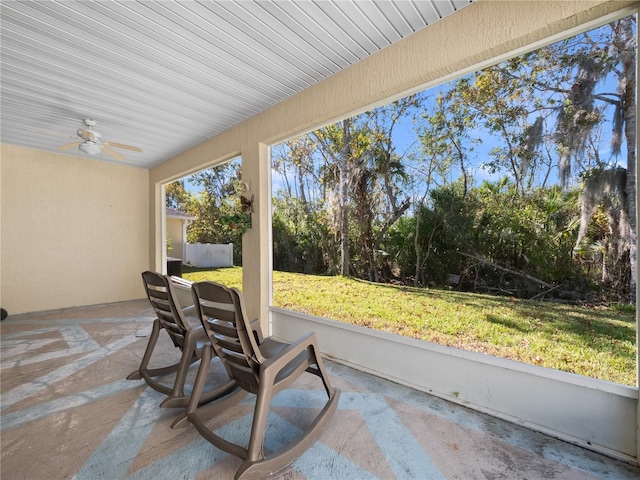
90	148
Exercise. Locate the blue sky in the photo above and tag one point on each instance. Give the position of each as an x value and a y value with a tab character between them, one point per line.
405	137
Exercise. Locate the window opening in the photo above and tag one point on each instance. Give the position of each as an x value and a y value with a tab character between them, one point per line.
205	222
494	213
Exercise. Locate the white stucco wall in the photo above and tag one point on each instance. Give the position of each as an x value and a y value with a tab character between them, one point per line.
74	231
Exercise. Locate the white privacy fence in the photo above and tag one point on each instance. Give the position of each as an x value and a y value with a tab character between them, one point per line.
209	255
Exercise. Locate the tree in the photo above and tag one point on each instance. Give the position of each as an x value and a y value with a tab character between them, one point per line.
216	207
296	156
502	103
379	180
591	60
335	146
441	134
541	113
302	235
453	212
301	238
363	174
176	196
561	96
604	192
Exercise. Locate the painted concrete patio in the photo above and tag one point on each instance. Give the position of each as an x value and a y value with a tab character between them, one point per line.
68	412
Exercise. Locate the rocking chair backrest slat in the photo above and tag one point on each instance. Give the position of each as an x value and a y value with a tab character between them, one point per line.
218	308
229	344
169	314
225	328
219	311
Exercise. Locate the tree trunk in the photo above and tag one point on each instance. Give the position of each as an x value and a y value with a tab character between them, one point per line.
416	246
630	190
345	260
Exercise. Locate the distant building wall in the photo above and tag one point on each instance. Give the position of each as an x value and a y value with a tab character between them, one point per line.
175	230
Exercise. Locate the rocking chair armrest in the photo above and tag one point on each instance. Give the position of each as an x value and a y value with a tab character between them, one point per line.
181	281
294	349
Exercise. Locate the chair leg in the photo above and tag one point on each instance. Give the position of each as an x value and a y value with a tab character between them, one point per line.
317	359
201	376
212	400
146	373
177	397
203	371
255	468
155	332
261	411
220	399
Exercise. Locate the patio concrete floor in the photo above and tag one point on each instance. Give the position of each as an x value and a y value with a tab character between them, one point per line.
68	412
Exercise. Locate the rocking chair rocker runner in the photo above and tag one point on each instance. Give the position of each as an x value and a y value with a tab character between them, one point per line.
260	366
188	339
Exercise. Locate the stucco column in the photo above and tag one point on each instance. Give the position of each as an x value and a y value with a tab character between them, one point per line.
637	297
256	242
157	227
183	241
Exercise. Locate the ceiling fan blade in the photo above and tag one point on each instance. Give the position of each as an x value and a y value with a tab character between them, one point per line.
113	153
86	134
69	146
121	145
50	134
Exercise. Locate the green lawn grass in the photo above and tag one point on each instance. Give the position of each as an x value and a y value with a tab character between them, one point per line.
596	342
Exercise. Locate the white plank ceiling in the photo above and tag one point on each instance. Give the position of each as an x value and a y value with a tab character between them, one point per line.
166	75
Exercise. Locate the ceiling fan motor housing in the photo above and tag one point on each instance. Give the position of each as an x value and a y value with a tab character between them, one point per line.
91	135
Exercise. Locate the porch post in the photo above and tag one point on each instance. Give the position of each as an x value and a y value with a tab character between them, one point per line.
157	227
183	240
256	242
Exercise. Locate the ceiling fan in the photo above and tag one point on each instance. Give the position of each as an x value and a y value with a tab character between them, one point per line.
91	142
